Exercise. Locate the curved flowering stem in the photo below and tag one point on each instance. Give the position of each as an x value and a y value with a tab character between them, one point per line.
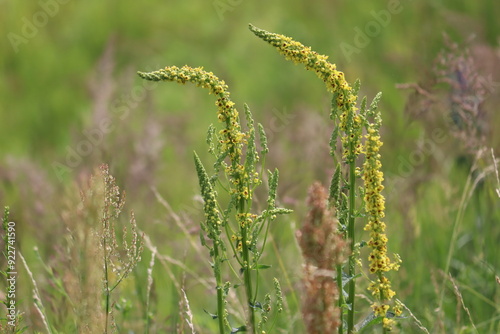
232	137
344	101
350	122
243	179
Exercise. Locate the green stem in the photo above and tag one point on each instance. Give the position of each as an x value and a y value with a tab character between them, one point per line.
246	271
220	297
382	299
456	224
350	237
341	298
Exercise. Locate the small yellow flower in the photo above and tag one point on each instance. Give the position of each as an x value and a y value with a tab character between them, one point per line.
388	323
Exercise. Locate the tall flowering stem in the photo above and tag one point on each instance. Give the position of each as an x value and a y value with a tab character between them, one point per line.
350	122
243	178
343	103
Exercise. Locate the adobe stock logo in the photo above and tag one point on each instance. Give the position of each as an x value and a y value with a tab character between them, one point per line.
29	28
223	6
373	28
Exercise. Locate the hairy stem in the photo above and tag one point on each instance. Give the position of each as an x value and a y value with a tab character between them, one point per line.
220	297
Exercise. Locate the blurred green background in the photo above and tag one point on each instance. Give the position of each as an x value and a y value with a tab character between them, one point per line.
69	66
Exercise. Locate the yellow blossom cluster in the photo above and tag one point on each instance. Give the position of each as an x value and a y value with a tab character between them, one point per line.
300	54
375	204
246	219
231	137
375	207
345	98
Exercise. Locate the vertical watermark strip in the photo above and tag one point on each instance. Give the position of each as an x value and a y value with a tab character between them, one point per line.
10	273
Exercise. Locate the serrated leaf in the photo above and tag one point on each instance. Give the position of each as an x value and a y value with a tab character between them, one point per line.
202	239
334	108
371	112
335	186
263	140
356	87
333	141
362	109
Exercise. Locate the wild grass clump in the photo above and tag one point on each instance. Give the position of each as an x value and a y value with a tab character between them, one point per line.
94	257
455	99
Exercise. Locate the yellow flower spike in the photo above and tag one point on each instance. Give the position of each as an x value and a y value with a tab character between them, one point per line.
374	207
300	54
232	138
388	323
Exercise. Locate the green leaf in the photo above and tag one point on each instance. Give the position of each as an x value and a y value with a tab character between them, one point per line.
202	239
251	153
333	141
335	187
263	140
214	316
356	87
334	109
374	104
346	278
362	109
256	305
273	185
263	266
369	321
239	329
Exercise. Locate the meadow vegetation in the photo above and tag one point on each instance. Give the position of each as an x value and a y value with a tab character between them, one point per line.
354	236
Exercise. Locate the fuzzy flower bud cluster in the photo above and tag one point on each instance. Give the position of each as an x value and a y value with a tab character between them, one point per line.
323	249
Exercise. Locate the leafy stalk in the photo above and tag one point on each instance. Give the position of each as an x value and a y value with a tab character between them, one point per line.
242	178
